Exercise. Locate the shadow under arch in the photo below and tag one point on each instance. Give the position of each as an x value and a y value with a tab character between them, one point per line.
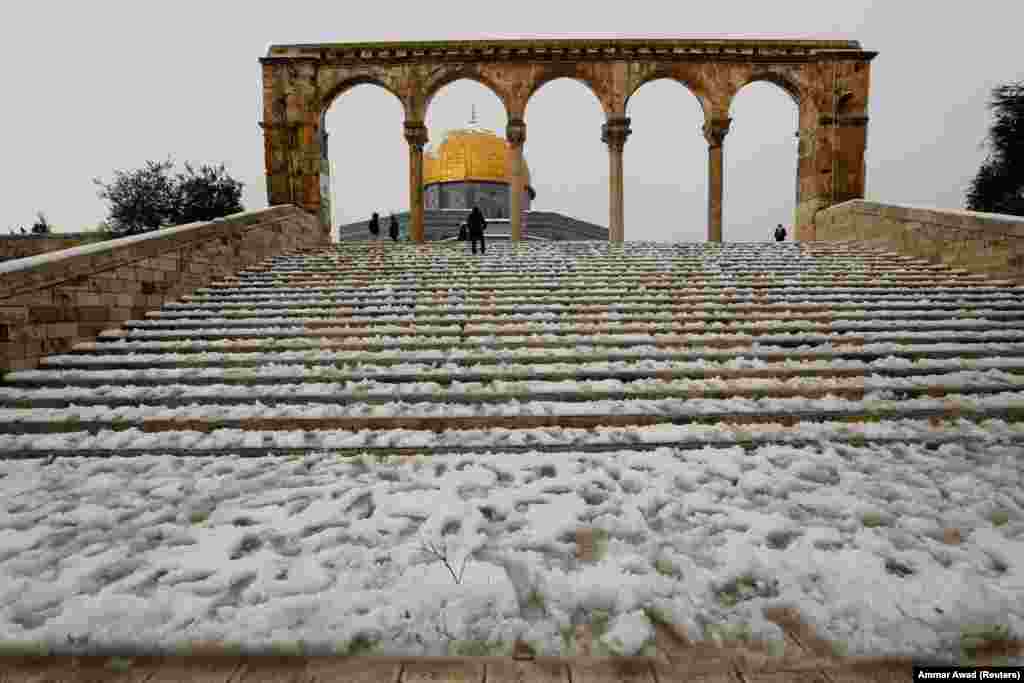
691	86
781	81
551	78
339	89
446	78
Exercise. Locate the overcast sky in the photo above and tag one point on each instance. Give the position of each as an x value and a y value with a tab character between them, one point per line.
103	85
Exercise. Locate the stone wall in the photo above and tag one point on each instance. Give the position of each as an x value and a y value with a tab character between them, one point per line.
982	242
52	301
20	246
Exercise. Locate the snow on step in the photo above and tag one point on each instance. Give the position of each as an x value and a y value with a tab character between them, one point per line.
360	331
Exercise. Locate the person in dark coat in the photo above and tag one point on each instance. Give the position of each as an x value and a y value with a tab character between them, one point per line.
463	232
780	233
477	225
393	228
374	225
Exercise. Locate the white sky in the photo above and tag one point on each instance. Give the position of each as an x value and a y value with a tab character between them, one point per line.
93	87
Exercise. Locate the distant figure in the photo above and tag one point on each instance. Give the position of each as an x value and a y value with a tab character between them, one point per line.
780	233
374	225
477	225
393	228
463	232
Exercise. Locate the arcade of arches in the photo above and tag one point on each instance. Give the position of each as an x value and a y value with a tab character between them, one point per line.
828	80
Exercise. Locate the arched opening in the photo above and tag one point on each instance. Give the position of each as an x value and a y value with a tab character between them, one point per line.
568	162
465	160
367	158
760	163
665	165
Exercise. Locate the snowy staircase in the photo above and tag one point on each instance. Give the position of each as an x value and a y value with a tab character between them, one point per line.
554	346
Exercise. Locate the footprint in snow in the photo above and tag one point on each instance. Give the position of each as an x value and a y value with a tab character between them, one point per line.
249	544
780	540
362	507
108	574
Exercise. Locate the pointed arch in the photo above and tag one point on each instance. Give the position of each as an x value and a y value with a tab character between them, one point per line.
445	77
564	74
338	89
690	83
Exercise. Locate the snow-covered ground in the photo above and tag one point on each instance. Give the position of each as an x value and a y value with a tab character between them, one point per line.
154	551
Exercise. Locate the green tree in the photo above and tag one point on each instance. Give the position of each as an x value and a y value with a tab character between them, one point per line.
150	198
999	185
206	193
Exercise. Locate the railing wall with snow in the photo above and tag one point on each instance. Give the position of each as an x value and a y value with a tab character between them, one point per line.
987	243
19	246
51	301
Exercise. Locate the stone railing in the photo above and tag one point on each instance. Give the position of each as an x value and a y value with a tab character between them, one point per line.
20	246
52	301
986	243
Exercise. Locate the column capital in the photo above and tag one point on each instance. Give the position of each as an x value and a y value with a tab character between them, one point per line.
278	125
615	131
715	130
415	134
515	132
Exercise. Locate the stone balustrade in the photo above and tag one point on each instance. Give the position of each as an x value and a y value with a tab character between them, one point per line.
51	301
986	243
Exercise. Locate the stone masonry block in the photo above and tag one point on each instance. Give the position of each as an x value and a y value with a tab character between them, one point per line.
87	299
44	314
96	314
54	330
15	315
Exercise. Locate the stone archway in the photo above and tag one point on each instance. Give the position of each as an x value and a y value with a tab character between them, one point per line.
829	80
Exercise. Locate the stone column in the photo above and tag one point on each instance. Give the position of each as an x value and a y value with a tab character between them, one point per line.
614	134
515	133
416	136
325	181
714	132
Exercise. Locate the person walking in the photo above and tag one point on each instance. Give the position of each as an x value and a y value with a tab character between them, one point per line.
463	232
477	225
374	225
393	228
780	233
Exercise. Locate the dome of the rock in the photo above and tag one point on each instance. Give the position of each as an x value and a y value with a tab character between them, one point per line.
471	166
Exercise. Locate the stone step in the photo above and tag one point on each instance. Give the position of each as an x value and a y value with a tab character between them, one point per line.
183	396
102	356
561	293
1008	407
487	306
158	320
35	448
717	348
536	338
147	373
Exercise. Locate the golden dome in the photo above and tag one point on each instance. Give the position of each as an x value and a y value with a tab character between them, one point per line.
469	154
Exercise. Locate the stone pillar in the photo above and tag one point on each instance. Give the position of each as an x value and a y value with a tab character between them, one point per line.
278	162
614	134
416	136
325	181
515	133
715	130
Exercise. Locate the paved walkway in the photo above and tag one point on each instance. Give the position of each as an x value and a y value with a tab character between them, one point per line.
421	670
